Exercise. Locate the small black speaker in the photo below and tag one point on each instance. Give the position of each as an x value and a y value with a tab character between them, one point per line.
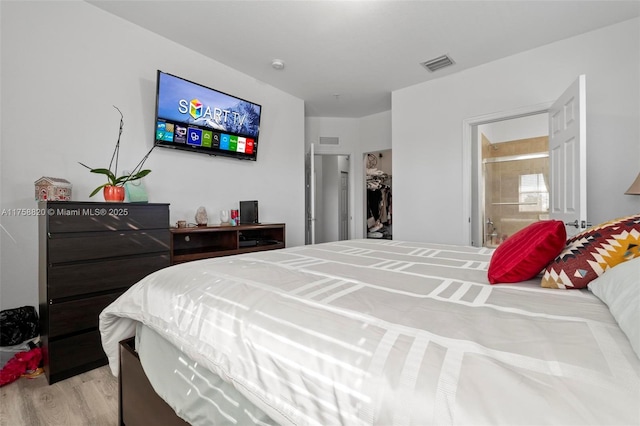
248	212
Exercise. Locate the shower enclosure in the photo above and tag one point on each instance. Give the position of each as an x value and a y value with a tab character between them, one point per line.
516	186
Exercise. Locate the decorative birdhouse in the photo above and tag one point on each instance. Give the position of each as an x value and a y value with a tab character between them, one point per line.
53	189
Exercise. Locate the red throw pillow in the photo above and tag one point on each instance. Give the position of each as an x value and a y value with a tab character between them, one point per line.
527	252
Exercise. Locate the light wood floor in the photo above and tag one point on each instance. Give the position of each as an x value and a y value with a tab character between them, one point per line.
87	399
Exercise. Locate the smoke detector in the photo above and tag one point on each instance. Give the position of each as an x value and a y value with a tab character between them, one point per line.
437	63
277	64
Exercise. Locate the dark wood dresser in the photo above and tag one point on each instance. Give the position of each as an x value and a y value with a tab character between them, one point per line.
90	253
202	242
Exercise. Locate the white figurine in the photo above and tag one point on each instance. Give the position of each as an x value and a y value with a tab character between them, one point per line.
224	217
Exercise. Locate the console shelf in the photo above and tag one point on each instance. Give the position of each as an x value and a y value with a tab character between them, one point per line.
203	242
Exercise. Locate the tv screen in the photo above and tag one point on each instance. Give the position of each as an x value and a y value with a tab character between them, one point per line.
196	118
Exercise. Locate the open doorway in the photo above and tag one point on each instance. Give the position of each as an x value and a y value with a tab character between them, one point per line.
514	183
331	206
378	200
567	184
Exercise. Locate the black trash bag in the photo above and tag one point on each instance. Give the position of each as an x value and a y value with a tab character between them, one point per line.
18	325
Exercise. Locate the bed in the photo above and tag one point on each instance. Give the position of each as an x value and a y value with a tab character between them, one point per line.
364	332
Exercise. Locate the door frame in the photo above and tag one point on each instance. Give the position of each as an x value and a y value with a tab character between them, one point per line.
471	162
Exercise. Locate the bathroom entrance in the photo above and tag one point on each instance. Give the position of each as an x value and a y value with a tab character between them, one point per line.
514	182
515	175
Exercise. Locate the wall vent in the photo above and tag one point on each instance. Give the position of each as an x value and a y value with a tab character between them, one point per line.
329	140
438	63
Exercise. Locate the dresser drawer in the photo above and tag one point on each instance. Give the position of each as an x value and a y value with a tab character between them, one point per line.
77	315
100	245
89	277
86	217
71	352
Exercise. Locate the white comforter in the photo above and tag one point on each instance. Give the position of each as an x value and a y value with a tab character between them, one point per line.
389	333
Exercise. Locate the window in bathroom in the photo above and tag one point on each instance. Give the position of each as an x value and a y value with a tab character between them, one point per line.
534	194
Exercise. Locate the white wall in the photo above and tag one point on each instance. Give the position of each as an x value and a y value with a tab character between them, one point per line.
357	136
428	199
64	64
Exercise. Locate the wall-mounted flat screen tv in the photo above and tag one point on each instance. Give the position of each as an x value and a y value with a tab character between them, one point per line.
196	118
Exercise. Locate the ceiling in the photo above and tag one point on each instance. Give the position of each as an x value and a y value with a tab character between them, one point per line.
344	58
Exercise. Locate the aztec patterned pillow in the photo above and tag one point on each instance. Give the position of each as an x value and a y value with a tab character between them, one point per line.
592	252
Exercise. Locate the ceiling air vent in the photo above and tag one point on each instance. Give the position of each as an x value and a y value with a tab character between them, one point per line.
329	140
437	63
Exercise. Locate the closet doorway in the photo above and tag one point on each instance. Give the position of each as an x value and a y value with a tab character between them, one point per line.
378	200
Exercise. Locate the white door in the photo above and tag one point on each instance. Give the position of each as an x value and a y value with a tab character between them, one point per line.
310	196
568	158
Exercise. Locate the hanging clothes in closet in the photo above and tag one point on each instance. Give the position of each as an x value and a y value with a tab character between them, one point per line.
378	204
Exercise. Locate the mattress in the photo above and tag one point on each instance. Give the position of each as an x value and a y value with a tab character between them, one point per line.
388	332
196	394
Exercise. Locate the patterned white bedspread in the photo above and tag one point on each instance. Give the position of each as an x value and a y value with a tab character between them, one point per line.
388	333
